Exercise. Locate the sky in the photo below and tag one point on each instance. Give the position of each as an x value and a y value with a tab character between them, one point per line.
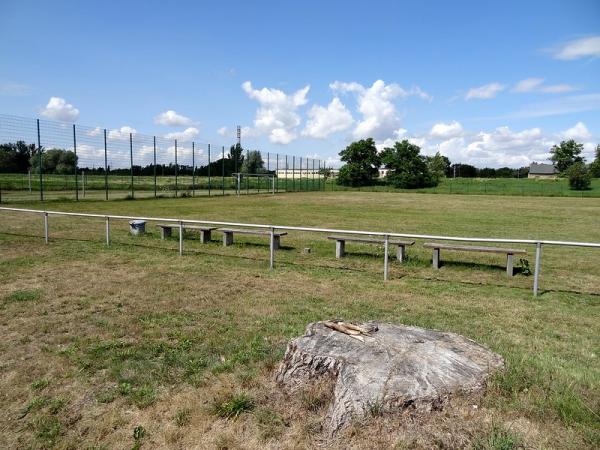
486	83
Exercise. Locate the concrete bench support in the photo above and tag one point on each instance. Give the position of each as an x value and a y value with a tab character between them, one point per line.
205	232
509	252
340	245
165	230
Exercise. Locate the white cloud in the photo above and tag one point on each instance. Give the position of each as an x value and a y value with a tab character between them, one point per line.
277	115
171	119
375	103
185	135
528	85
58	109
563	105
486	91
121	133
323	121
95	132
223	131
579	48
8	88
537	85
579	132
446	130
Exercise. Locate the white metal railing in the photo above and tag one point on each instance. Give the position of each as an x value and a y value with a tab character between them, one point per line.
386	235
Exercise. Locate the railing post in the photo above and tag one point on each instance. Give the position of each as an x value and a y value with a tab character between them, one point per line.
272	249
46	227
107	231
180	238
386	246
538	262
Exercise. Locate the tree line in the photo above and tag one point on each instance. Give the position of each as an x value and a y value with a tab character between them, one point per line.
407	168
20	157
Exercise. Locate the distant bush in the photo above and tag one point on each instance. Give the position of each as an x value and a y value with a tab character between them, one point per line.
579	176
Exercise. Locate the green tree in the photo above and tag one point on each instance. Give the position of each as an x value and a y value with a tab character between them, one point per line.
595	165
236	155
438	165
326	173
55	160
253	163
362	164
580	178
566	154
407	167
14	157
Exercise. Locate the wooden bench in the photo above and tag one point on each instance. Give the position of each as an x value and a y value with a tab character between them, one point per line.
509	252
166	230
229	232
340	245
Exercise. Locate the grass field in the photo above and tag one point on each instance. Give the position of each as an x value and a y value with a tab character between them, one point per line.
133	346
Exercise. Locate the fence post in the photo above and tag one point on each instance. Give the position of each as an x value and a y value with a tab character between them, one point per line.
313	175
131	162
154	161
176	169
46	227
75	151
286	173
223	170
294	173
208	170
300	176
277	171
386	246
272	249
180	238
105	168
107	231
41	161
538	262
193	169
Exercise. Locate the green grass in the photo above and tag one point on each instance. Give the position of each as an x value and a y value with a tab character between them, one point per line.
135	335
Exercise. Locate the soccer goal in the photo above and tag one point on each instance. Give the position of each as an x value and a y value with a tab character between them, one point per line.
255	180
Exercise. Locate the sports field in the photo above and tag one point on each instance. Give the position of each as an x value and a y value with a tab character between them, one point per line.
135	346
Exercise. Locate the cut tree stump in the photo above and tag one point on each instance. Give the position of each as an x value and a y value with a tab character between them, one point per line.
394	368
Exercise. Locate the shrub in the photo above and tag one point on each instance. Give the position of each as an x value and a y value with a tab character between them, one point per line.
580	178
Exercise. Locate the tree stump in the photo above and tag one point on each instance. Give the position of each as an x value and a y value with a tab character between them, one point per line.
394	368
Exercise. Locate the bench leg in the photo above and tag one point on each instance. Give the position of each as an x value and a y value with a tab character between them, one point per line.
400	253
340	249
227	239
436	258
204	236
165	232
276	242
509	265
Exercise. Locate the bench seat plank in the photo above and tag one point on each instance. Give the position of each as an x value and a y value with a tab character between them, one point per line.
473	248
340	244
509	252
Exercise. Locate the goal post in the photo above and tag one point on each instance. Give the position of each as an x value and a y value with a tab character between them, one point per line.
239	176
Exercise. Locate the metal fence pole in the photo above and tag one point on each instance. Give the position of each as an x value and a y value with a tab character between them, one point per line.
294	173
223	169
300	176
41	161
277	171
46	227
193	169
538	262
105	168
154	161
208	170
131	162
313	175
107	231
180	238
272	250
286	173
75	151
386	246
176	169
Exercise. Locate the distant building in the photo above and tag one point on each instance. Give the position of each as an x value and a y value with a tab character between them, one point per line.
542	171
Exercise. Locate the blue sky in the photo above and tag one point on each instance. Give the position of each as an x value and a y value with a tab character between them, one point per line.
487	83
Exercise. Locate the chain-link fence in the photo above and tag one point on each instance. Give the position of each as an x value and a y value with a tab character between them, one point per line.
42	159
